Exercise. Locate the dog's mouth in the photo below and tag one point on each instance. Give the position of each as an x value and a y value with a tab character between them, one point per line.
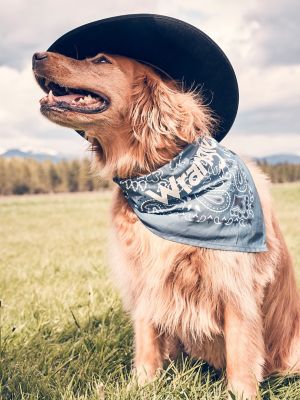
61	98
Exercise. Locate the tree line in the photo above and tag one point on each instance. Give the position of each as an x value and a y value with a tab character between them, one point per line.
280	173
27	176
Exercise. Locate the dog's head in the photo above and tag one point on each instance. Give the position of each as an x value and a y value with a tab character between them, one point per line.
135	119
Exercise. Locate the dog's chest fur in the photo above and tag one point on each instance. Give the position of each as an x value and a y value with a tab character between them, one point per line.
177	288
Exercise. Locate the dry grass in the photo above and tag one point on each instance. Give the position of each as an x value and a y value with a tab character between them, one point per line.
63	332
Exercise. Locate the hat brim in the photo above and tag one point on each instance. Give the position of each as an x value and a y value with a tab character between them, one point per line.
182	51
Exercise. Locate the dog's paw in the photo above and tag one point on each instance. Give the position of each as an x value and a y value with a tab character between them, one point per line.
145	374
242	391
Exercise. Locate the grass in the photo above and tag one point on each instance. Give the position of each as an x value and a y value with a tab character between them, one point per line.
63	332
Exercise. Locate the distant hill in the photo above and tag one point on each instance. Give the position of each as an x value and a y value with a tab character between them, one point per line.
35	155
280	159
273	159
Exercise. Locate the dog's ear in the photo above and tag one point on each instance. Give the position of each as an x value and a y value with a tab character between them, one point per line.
162	111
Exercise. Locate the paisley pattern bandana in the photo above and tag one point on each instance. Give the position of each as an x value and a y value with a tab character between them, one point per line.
205	197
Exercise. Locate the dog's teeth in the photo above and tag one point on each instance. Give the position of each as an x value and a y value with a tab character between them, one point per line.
44	100
81	100
88	99
51	97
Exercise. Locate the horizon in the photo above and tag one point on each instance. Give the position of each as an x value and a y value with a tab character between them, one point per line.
53	153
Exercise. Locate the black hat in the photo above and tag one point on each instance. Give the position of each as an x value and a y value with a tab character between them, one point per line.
177	48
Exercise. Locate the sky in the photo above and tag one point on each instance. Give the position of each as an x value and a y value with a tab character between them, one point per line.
261	39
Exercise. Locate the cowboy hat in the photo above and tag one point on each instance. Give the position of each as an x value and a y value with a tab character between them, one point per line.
174	47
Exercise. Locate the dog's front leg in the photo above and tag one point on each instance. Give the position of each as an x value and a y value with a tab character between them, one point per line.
148	351
244	353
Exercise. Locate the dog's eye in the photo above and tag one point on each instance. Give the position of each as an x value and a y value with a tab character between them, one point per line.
101	60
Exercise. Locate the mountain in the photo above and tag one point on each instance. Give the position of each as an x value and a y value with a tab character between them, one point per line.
35	155
55	157
280	159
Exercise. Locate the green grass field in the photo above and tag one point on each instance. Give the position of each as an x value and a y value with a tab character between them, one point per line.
63	332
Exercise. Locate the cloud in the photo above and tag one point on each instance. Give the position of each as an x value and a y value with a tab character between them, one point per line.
29	26
277	86
269	120
259	145
260	39
278	30
21	123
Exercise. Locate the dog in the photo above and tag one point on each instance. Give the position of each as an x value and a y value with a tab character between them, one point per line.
238	311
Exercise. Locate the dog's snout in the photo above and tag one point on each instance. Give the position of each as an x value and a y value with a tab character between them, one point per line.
38	57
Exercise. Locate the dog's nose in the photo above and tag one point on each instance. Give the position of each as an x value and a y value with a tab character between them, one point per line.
40	55
37	57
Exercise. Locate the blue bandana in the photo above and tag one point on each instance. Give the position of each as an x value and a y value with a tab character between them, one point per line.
205	197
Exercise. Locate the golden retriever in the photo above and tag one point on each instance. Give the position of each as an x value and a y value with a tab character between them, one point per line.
238	311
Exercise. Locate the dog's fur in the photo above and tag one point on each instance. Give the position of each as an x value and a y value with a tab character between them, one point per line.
239	311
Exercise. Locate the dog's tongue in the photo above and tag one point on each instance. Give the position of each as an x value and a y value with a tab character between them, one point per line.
69	98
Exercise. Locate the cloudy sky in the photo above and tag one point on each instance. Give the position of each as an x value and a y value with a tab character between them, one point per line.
261	38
